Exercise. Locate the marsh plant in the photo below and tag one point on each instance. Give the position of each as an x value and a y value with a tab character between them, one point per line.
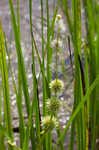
37	133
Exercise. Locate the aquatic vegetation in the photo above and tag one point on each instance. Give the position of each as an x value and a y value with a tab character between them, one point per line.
42	114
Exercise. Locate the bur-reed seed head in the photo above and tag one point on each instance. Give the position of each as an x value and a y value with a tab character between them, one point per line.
48	123
56	85
53	105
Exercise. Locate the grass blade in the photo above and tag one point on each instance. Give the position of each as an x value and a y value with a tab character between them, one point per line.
5	82
20	59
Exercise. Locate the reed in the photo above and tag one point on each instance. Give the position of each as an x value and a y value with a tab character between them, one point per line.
83	123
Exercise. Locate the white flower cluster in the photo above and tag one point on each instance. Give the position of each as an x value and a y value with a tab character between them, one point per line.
59	25
56	43
60	29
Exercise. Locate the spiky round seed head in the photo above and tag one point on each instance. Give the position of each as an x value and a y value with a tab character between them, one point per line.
53	105
49	123
56	85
